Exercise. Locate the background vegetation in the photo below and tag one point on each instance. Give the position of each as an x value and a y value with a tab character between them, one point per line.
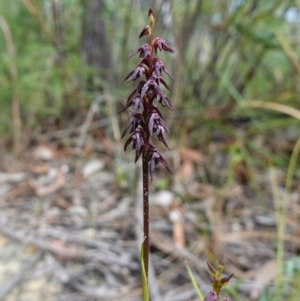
236	67
57	55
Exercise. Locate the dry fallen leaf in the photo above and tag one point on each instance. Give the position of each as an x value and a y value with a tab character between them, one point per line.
58	244
62	202
58	183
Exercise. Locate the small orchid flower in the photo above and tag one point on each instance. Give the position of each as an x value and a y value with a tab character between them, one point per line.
136	73
161	44
154	159
144	51
158	67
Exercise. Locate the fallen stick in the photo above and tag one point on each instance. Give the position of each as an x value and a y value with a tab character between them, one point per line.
8	286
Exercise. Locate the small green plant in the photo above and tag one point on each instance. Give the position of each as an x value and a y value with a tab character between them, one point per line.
217	282
146	119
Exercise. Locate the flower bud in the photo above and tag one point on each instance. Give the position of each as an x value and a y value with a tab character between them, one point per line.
211	296
151	18
146	31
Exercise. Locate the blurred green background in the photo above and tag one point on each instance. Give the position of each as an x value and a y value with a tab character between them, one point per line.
236	66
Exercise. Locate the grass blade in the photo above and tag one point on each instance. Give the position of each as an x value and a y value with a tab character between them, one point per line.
196	287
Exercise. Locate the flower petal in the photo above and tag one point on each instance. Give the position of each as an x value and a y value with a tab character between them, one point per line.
164	83
168	73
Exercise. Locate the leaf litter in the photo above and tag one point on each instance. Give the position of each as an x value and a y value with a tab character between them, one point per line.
68	230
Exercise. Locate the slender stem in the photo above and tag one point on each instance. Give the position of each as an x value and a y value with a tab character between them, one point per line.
146	211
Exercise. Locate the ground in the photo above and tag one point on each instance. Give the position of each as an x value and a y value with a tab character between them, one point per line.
71	227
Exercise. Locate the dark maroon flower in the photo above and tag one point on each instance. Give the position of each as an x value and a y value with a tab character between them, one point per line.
154	158
156	125
159	79
138	142
144	51
160	131
150	87
155	120
159	43
136	102
135	121
136	73
158	67
164	101
137	89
